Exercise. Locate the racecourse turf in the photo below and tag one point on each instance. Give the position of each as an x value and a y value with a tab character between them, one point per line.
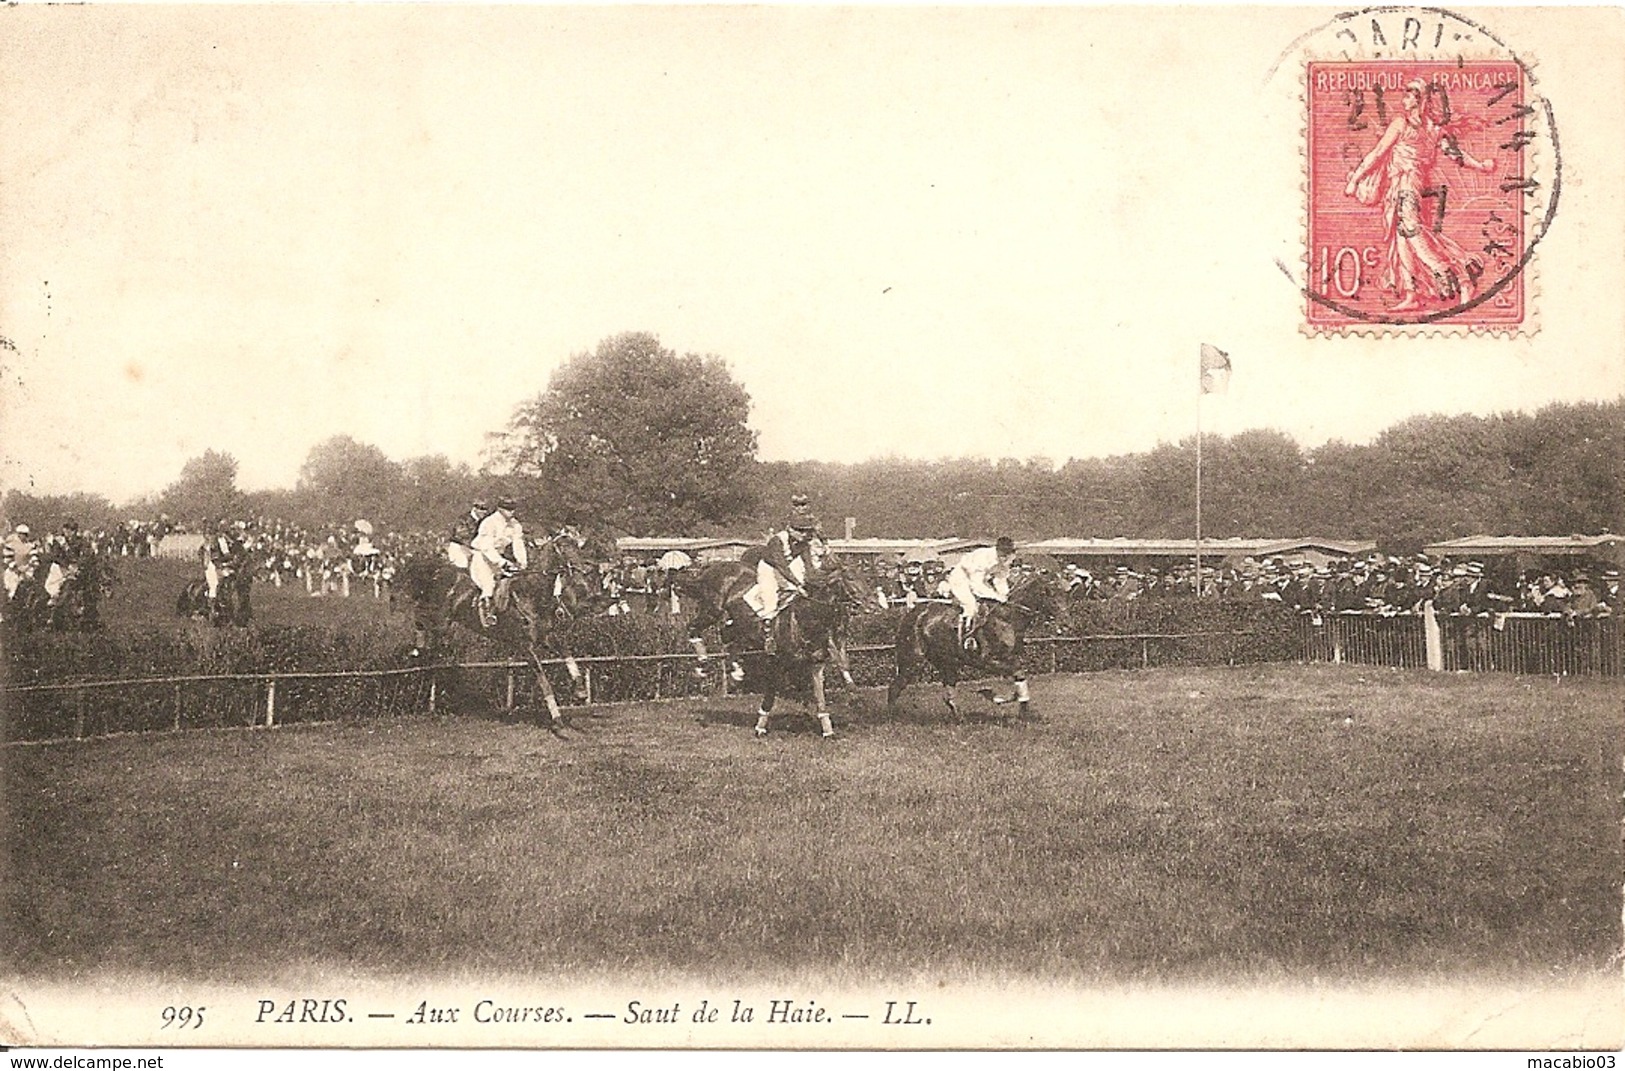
1238	824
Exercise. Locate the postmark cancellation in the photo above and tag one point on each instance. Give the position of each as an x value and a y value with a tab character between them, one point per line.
1431	172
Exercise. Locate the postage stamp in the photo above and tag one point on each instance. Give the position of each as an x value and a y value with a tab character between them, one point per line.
1431	173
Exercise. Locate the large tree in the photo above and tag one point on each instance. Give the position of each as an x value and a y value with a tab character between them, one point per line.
344	479
206	491
637	438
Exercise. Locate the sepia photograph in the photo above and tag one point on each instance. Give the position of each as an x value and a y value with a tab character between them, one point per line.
808	527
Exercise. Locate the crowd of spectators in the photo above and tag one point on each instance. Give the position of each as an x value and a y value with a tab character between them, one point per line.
328	560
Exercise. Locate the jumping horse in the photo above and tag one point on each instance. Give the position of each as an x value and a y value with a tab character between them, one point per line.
929	636
718	591
806	631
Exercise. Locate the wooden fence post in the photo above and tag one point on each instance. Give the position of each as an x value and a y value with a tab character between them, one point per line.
432	683
508	704
586	683
79	714
177	706
270	702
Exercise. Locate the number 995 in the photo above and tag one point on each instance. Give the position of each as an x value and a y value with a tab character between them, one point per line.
184	1017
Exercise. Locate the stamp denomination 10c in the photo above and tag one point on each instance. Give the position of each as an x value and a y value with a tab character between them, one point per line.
1427	191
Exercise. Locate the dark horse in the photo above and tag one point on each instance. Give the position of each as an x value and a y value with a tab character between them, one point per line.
77	607
807	631
231	605
929	635
718	591
443	596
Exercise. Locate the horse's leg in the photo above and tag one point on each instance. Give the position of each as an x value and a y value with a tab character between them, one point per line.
907	668
578	684
770	686
696	638
950	678
822	711
894	690
555	716
837	654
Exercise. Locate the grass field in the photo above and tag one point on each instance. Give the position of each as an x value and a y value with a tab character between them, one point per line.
1250	824
143	597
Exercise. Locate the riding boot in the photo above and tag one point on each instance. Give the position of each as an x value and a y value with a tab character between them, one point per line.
768	646
487	617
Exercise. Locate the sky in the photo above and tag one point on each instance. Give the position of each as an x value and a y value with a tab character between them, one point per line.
911	232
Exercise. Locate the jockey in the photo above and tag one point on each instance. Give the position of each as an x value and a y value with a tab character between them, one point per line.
21	557
460	540
784	562
984	573
64	554
222	555
499	535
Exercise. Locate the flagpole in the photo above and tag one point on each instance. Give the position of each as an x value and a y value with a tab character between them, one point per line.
1198	486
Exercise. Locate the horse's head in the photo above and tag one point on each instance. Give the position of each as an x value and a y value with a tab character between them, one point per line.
1035	597
839	583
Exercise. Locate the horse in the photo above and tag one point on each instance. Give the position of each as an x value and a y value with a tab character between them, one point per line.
78	602
29	608
806	632
230	606
443	596
578	589
718	590
929	635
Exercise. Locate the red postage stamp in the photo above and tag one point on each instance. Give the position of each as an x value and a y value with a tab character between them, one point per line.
1418	186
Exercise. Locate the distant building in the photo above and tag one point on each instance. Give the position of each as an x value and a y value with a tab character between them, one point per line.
1161	553
701	549
1088	553
1604	547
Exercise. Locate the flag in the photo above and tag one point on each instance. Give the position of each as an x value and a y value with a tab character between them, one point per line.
1215	370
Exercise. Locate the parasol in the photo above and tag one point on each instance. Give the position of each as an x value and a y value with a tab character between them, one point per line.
674	559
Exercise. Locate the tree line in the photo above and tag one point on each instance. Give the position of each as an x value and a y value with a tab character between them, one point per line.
633	438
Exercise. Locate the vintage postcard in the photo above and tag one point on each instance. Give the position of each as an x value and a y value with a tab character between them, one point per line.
812	527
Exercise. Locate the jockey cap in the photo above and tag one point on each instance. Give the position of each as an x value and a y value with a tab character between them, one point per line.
1004	545
22	529
799	501
805	522
506	503
479	504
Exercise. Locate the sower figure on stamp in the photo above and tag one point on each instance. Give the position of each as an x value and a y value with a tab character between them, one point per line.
984	573
1398	173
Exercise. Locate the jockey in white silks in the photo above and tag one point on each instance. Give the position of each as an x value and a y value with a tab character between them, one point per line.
984	573
784	563
22	558
499	536
223	551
